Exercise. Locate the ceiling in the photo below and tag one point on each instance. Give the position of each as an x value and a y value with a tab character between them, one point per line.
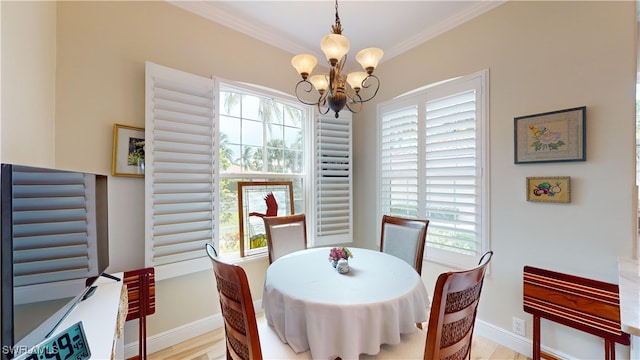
298	26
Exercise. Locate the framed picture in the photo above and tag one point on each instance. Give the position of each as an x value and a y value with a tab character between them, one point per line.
552	136
257	199
128	151
549	189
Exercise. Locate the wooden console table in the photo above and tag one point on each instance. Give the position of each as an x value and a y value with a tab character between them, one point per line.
629	284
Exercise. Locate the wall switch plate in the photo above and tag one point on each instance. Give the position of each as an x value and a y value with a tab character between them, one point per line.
517	326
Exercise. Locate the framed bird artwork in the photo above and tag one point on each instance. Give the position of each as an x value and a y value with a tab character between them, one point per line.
257	199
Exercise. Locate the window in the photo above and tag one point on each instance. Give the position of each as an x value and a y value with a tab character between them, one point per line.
203	136
431	161
261	139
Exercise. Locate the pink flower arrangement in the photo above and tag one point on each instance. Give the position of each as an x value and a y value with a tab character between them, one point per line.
338	253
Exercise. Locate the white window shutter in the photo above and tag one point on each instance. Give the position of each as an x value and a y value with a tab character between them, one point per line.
181	170
452	173
333	180
399	162
432	149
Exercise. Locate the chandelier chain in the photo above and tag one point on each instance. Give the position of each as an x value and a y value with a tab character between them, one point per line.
337	28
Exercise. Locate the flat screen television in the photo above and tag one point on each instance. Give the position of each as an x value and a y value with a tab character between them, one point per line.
54	233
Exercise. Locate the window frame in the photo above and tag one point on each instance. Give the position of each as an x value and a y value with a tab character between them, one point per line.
419	98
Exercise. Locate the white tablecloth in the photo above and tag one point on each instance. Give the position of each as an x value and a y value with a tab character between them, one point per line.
312	306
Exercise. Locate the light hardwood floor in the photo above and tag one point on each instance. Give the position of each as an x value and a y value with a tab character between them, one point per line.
211	346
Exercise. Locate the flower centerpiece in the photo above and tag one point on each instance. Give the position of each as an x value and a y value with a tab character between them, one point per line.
338	253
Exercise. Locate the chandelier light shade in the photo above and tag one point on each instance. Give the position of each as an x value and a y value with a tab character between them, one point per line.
336	90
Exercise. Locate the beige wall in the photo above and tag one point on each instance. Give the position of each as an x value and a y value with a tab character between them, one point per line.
102	49
28	83
542	56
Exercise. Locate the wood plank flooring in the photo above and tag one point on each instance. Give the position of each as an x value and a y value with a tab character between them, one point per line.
211	346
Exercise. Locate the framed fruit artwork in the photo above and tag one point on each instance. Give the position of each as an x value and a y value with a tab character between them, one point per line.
549	189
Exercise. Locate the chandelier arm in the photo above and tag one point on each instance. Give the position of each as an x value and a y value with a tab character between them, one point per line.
307	90
353	102
367	85
320	110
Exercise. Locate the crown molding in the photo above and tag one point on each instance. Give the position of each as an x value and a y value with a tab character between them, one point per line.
440	28
277	39
270	36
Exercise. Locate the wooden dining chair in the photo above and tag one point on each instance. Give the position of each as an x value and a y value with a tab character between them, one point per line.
453	312
236	304
242	333
285	234
404	238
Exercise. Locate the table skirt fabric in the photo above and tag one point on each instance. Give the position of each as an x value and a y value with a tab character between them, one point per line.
381	298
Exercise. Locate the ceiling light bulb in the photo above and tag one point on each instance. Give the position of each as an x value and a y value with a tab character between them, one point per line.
335	47
355	79
369	58
304	64
320	82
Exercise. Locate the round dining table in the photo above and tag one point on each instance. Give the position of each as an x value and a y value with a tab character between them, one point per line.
313	307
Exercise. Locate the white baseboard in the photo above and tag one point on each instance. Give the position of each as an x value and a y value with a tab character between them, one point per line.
513	341
175	336
182	333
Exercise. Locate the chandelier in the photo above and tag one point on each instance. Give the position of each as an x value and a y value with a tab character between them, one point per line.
335	89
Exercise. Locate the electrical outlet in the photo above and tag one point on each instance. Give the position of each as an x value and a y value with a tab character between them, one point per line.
517	326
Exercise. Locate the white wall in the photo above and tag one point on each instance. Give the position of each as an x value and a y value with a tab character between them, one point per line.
542	56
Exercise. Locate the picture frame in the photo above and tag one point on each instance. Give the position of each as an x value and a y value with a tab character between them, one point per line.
549	189
128	151
255	202
551	136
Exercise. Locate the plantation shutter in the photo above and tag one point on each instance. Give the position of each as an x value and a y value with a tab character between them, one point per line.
333	180
54	227
399	162
432	152
452	173
181	170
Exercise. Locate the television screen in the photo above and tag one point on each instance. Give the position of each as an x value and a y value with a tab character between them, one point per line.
54	230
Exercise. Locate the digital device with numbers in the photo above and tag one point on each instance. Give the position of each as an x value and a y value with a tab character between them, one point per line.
69	344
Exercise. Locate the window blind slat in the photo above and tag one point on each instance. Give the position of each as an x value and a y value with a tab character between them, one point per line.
181	177
333	222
